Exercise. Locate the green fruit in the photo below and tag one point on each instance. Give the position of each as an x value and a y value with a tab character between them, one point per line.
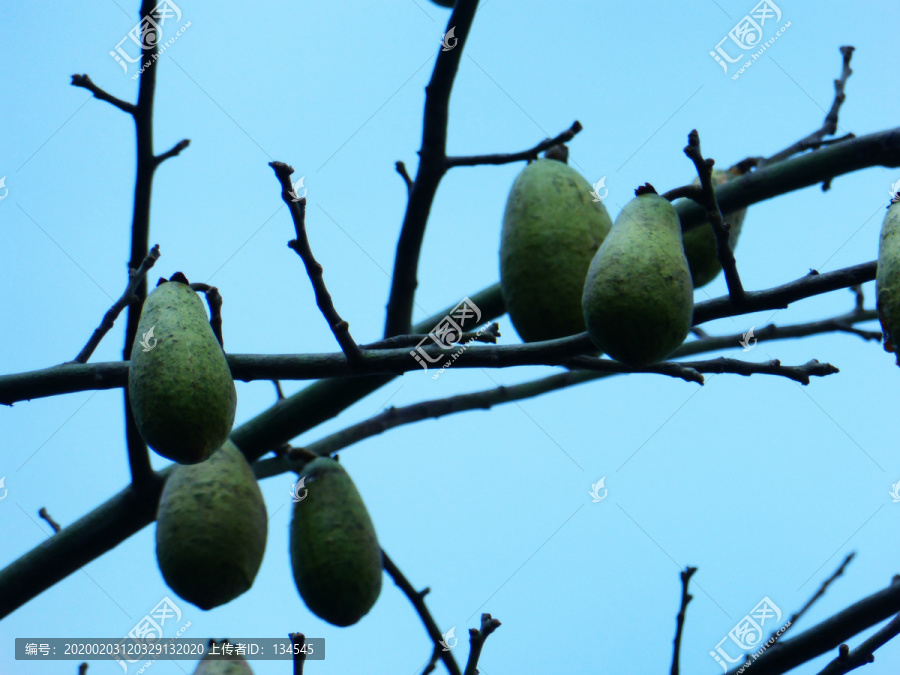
700	246
181	391
335	554
217	664
211	528
887	280
551	229
638	300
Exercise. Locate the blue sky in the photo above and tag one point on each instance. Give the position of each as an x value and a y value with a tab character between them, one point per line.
761	483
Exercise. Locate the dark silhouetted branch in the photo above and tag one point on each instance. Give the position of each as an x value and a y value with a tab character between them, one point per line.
508	158
686	597
135	277
476	641
301	247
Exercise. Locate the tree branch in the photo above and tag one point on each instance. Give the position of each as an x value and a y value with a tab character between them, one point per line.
823	165
417	598
829	126
135	277
214	302
686	597
432	165
786	655
401	169
46	516
509	158
85	82
174	152
476	641
301	247
299	656
707	199
865	653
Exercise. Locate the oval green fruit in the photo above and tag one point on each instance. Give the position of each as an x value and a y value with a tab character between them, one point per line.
218	664
179	384
335	554
887	280
638	300
552	227
211	528
700	246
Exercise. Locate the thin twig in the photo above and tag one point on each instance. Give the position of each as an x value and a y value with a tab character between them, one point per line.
476	641
686	597
432	165
82	669
301	247
135	277
401	169
85	82
214	302
829	126
796	616
46	516
174	152
278	390
417	599
714	216
508	158
298	640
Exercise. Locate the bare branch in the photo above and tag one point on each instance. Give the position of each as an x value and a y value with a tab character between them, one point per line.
214	302
865	653
401	169
85	82
878	149
686	597
488	335
298	640
417	598
46	516
300	245
509	158
135	277
715	218
432	165
786	655
174	152
476	641
829	126
796	616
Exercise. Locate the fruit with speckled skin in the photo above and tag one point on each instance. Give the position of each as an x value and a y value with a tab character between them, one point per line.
887	280
211	528
700	242
217	664
551	229
179	384
335	555
638	300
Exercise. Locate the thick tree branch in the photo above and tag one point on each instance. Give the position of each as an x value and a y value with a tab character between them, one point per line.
878	149
417	598
829	126
781	296
432	165
301	247
707	199
124	514
248	367
686	597
510	157
135	277
786	655
864	654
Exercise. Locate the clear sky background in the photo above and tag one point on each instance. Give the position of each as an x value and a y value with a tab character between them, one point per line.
763	484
